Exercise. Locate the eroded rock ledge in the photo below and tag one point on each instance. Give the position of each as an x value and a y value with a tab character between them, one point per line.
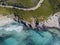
52	22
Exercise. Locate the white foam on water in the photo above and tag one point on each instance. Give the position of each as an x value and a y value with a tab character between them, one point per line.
6	24
5	20
16	28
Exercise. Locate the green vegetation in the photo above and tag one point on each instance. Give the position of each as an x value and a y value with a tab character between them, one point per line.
47	8
23	3
55	4
41	13
6	11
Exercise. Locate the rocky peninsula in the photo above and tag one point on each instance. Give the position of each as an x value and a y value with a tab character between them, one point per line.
52	22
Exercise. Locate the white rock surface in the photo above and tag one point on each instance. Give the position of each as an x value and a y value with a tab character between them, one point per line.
53	20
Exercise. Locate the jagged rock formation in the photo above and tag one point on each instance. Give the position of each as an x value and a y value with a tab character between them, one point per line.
41	26
53	21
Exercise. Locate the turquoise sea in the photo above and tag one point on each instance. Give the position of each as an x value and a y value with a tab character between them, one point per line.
14	34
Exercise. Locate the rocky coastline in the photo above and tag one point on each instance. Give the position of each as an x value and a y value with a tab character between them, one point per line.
52	22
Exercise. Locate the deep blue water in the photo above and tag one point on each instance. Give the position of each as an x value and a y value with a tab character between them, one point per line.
30	37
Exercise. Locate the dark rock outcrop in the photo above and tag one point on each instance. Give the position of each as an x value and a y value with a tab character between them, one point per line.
59	21
37	28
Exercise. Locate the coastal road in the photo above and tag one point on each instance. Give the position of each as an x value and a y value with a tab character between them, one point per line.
28	9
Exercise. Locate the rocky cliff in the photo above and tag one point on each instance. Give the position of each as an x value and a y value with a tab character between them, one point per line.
53	21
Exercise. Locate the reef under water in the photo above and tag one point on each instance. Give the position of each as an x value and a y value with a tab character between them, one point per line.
14	34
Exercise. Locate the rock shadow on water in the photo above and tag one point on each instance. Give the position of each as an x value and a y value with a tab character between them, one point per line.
29	41
3	38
